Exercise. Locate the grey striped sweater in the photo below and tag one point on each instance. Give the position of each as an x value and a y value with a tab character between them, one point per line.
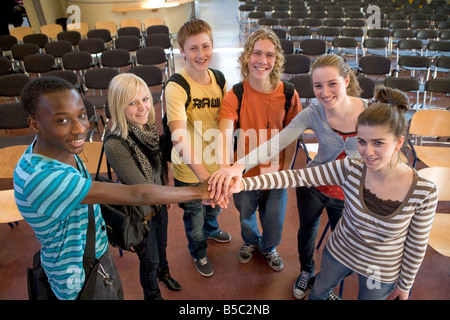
384	248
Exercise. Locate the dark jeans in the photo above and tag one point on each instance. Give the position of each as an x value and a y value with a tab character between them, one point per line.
152	252
310	204
200	222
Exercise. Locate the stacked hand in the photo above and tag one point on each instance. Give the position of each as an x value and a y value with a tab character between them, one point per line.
226	181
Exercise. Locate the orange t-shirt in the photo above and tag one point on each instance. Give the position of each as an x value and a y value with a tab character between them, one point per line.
261	117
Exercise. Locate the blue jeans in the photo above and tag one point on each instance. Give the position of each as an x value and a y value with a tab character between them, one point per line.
200	222
331	274
310	204
272	208
152	252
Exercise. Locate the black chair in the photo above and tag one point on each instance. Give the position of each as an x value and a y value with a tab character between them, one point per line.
409	47
129	43
153	56
374	66
129	31
6	66
103	34
78	62
13	117
70	35
98	79
436	86
95	46
313	47
164	41
296	64
303	85
442	64
438	49
6	43
116	58
40	39
39	63
405	84
287	46
367	86
375	46
281	33
346	46
20	51
158	29
11	85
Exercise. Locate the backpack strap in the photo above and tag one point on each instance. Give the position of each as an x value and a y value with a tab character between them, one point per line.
178	78
220	78
238	90
289	93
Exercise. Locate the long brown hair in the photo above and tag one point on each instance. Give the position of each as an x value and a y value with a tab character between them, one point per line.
334	60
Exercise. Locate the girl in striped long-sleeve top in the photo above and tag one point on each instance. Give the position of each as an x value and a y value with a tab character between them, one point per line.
388	211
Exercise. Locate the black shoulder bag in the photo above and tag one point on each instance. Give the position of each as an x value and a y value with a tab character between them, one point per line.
126	226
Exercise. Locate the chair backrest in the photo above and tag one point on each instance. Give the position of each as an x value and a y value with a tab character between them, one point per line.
73	36
303	85
12	116
104	34
432	123
440	176
115	58
129	43
39	39
438	85
51	30
296	64
20	51
64	74
99	78
58	48
20	32
153	21
131	23
150	74
77	60
151	56
108	25
9	156
5	66
11	85
39	63
7	42
92	45
375	65
82	28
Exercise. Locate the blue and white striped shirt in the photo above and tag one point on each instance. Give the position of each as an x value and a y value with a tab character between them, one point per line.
48	194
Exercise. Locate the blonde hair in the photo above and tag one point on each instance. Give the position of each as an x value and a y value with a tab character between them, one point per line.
334	60
123	89
244	58
193	27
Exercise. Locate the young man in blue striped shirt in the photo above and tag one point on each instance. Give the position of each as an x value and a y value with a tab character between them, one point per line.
53	188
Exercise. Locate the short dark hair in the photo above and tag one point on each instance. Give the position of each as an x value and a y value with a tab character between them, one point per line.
33	91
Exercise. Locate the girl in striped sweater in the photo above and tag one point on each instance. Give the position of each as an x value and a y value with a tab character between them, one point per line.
388	210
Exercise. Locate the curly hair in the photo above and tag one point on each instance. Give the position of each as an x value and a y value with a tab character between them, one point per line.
244	58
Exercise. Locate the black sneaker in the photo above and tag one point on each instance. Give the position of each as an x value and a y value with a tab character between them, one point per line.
222	236
274	260
204	267
333	296
301	286
246	252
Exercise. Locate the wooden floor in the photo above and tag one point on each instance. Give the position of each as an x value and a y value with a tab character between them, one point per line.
231	280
